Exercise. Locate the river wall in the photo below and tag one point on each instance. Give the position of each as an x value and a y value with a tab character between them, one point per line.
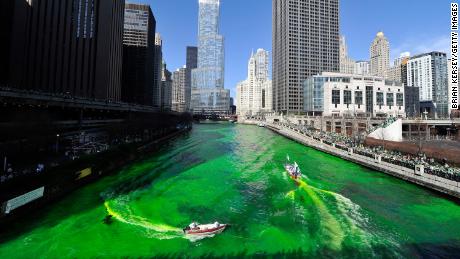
415	175
25	196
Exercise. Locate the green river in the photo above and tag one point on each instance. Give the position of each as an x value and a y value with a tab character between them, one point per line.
234	174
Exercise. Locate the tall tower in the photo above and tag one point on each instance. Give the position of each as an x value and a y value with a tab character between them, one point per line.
305	43
157	71
347	65
380	55
138	54
208	93
254	95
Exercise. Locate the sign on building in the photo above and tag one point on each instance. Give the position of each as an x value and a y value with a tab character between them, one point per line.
23	200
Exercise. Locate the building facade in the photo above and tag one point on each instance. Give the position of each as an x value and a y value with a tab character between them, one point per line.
347	65
336	94
254	95
138	54
65	47
179	102
157	71
429	72
208	93
362	68
305	42
191	63
398	72
380	55
166	89
412	101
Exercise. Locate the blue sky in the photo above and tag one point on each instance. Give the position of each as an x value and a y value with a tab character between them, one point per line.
416	26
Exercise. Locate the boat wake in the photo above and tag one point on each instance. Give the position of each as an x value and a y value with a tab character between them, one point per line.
120	211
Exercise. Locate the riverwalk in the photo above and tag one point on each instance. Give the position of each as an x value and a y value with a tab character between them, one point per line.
415	175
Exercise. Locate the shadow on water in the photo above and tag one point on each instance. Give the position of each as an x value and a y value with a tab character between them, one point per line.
172	161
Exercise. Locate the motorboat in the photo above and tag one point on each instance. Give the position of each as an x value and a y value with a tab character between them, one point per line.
261	125
204	230
293	169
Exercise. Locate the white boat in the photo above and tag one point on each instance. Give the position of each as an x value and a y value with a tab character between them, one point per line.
261	125
204	230
293	169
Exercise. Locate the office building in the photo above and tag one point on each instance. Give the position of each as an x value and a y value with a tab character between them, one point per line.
336	94
305	43
191	63
138	54
380	55
73	51
429	72
347	65
398	72
412	101
157	71
166	89
254	95
179	102
208	94
362	68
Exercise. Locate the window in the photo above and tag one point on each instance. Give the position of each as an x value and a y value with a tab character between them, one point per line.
359	97
400	99
380	100
335	97
347	97
390	99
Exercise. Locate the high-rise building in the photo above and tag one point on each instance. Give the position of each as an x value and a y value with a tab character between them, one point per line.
347	65
412	101
68	47
362	68
138	54
254	95
179	102
157	70
429	72
380	55
166	89
399	69
305	43
191	63
208	93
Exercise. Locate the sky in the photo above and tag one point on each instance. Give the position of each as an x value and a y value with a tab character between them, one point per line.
416	26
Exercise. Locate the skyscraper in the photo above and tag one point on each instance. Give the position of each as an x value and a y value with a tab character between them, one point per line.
71	47
179	102
191	63
166	88
305	43
157	71
429	72
138	54
347	65
254	95
208	93
380	55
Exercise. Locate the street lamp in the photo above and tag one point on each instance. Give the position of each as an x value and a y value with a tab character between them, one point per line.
57	143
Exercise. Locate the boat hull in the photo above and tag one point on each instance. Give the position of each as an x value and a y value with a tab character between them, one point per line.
206	232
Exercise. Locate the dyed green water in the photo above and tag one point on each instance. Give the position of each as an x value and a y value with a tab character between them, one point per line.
234	174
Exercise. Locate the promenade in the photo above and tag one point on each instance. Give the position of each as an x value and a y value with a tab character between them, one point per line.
415	170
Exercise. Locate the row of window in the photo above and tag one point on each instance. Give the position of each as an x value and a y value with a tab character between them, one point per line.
390	98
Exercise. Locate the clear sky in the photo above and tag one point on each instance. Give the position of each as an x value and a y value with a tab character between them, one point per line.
416	26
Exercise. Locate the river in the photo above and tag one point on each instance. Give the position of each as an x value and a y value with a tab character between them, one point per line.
234	174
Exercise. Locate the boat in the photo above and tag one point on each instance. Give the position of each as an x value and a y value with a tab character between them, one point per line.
261	125
293	169
204	230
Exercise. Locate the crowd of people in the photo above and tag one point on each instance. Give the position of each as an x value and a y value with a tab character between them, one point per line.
432	166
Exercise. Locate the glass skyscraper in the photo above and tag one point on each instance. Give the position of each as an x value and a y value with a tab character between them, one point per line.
208	93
